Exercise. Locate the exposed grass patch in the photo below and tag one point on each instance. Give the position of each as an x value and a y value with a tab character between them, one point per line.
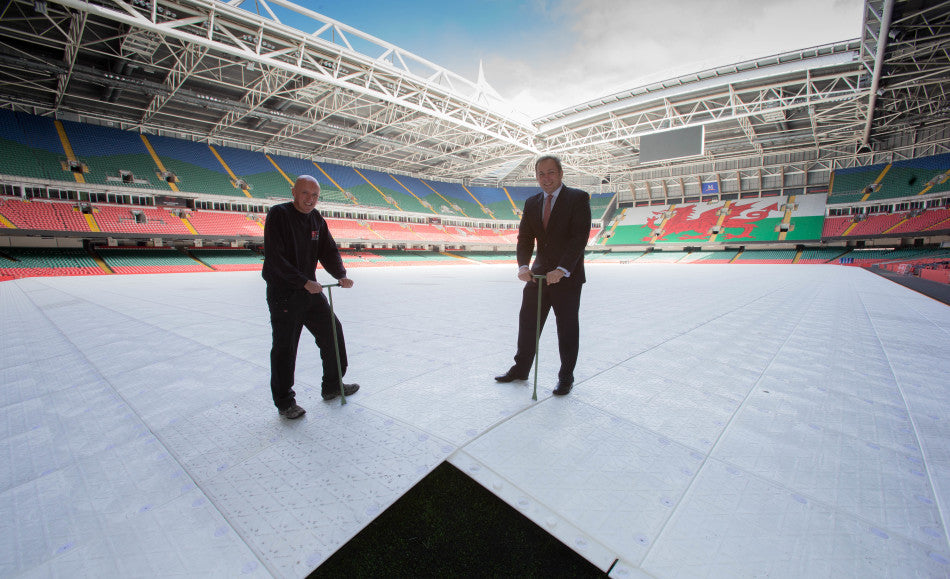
448	525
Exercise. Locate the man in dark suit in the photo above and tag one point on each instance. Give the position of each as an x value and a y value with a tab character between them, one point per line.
558	220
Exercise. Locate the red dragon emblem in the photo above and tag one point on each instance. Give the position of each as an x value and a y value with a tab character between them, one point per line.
683	225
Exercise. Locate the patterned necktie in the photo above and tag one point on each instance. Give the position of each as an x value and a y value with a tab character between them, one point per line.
547	210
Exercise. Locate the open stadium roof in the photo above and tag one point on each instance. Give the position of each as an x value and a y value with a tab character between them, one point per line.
215	72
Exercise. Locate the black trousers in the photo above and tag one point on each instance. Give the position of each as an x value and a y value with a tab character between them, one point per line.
565	300
290	312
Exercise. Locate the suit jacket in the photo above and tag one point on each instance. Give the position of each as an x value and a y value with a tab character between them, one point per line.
562	244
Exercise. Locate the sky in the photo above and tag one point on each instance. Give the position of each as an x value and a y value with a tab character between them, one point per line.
545	55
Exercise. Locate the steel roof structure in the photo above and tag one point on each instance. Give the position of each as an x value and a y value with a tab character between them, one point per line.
218	73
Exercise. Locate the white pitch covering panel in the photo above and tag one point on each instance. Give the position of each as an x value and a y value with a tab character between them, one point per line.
781	421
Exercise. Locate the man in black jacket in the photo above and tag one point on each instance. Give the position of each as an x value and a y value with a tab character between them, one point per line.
296	238
558	219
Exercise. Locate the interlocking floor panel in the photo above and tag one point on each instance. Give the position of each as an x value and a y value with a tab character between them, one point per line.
741	421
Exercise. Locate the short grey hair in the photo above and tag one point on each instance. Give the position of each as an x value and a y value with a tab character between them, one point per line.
556	160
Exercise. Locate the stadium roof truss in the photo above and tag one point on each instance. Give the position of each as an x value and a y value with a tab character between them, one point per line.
782	121
215	72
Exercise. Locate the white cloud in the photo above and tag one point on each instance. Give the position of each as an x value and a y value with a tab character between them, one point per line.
598	47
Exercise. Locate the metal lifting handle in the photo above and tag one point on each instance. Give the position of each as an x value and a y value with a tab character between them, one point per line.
336	343
537	337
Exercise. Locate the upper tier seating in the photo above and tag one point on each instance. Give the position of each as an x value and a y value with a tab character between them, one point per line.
113	157
906	178
599	203
261	178
350	182
293	168
453	199
391	188
31	147
195	166
495	200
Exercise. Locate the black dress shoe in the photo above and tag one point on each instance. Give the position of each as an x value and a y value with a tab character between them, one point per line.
563	388
332	392
509	377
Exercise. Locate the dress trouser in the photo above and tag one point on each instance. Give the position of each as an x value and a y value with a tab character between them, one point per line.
565	300
290	312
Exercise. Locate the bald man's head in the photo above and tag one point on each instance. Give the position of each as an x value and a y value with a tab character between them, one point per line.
306	193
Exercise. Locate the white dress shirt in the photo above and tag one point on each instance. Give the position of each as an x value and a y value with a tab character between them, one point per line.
553	202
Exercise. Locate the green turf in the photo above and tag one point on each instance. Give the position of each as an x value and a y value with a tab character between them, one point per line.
448	525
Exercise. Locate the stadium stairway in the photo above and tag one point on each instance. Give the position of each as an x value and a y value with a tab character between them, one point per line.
514	207
91	220
349	198
877	182
613	226
279	169
850	228
369	227
385	197
99	261
723	213
485	210
188	224
416	197
454	206
235	181
940	224
904	220
68	149
461	258
158	162
785	225
941	179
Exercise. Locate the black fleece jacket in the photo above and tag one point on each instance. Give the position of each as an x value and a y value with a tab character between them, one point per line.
294	243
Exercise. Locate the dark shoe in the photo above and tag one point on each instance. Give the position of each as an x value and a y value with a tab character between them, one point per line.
563	388
509	377
348	390
292	412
